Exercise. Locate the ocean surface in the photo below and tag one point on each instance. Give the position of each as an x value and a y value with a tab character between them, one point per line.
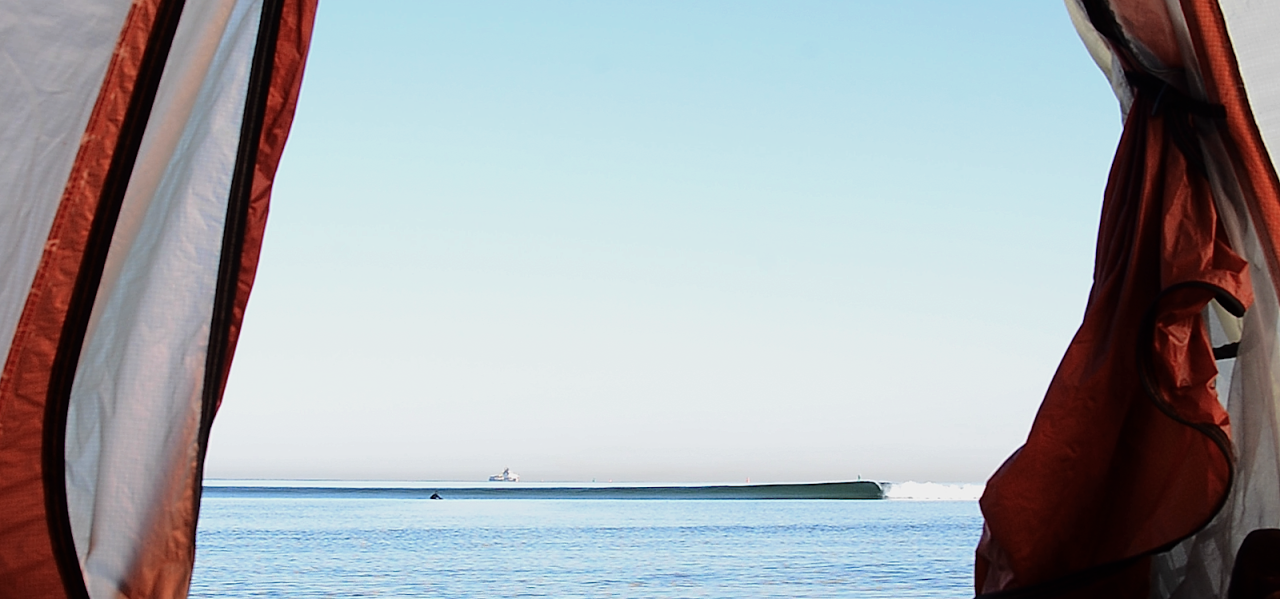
918	543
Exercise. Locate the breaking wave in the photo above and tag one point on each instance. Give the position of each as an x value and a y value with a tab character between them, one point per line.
934	491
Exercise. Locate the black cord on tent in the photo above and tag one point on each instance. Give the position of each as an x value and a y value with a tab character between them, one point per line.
217	357
88	278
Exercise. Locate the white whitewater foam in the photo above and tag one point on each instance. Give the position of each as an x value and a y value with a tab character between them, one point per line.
934	491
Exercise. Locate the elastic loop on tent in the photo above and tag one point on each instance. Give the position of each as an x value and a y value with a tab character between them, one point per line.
1178	113
1226	352
1167	95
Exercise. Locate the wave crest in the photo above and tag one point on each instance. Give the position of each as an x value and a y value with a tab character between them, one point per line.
934	491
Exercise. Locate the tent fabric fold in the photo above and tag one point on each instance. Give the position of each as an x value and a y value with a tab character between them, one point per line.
145	146
1133	479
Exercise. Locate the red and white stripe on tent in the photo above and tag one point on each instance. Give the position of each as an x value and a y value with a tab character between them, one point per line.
1156	449
138	143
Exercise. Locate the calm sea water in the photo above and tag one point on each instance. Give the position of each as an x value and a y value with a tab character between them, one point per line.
382	547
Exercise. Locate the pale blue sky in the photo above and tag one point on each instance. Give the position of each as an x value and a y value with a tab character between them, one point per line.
671	241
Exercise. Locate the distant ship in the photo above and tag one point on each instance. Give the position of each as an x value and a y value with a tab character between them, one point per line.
506	476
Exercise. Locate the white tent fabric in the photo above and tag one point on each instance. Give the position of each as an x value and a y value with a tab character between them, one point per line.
135	406
1101	54
1255	30
45	102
